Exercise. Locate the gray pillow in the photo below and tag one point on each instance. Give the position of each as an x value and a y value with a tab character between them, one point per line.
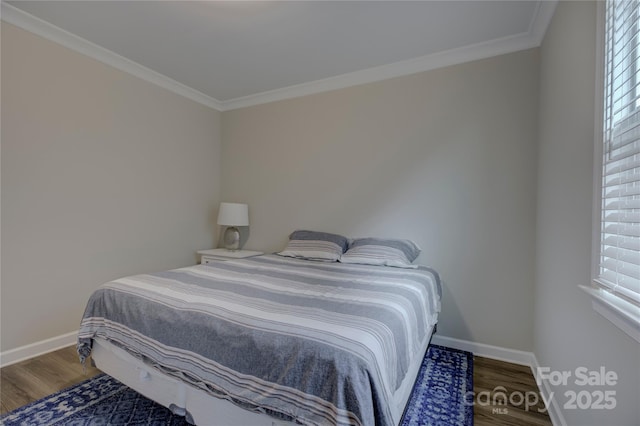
315	245
382	251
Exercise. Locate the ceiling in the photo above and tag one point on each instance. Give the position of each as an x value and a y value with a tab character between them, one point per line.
229	54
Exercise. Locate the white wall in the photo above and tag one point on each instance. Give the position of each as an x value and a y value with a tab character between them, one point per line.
103	175
568	333
445	157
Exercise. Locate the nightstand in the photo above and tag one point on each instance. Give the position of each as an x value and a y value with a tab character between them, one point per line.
222	254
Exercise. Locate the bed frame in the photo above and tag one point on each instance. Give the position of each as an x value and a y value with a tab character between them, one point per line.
199	407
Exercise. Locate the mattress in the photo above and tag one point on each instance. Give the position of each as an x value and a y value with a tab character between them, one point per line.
295	340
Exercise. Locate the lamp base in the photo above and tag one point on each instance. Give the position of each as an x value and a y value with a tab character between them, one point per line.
232	238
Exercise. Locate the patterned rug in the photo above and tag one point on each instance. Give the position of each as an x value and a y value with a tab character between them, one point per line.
438	398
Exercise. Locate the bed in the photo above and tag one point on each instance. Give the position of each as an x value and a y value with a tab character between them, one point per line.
267	340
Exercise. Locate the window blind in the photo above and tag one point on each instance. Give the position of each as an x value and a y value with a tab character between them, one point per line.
619	269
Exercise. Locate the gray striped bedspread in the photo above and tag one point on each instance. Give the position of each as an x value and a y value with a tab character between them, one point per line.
317	343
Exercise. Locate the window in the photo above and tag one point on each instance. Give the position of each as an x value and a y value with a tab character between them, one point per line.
616	289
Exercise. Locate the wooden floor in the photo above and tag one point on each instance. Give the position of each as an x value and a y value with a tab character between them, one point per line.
493	378
38	377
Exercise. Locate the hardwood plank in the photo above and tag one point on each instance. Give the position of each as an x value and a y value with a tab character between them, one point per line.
516	382
35	378
12	396
38	377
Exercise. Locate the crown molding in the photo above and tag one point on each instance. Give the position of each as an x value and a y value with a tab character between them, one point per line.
397	69
532	38
28	22
541	20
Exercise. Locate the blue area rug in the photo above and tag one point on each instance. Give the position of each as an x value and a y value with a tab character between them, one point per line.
441	393
438	398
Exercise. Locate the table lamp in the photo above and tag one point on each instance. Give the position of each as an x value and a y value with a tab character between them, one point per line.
233	215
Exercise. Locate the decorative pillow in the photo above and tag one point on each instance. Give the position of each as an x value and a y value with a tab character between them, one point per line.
381	251
315	245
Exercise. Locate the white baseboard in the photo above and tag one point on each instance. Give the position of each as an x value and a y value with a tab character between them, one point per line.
555	413
488	351
38	348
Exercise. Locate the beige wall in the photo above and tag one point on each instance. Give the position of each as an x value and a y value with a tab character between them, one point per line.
568	332
103	175
446	157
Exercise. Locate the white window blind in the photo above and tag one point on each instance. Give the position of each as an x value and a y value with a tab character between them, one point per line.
619	269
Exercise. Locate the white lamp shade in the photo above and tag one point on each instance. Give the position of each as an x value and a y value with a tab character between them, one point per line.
233	214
